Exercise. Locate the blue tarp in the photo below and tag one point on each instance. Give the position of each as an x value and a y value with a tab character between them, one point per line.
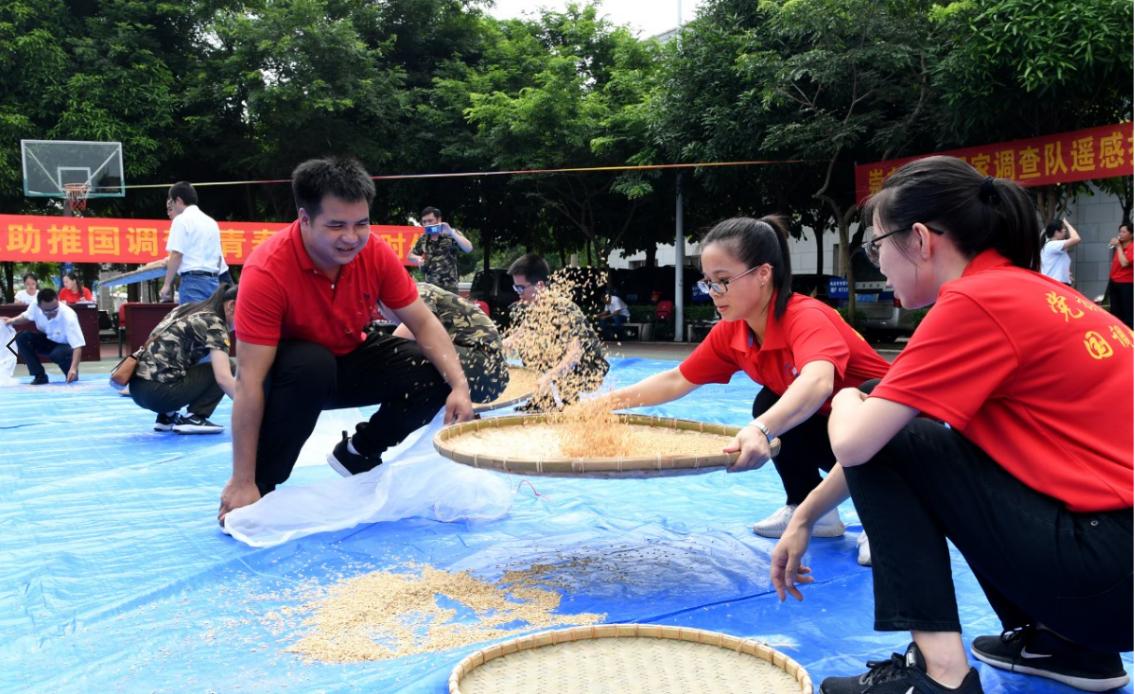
114	575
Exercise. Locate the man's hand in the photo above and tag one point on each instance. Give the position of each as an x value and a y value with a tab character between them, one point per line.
753	445
236	495
458	406
785	568
165	293
73	374
7	319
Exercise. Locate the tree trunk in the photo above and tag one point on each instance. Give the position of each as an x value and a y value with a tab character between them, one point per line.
652	255
819	250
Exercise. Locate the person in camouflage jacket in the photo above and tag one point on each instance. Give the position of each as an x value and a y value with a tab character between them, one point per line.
474	335
185	363
552	335
435	251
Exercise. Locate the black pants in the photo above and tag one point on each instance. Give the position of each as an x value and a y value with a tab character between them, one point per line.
198	390
1036	561
307	378
31	344
805	450
1120	299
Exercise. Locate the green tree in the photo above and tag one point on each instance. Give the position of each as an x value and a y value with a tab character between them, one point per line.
577	110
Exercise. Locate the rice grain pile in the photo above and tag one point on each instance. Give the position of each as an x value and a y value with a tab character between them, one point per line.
392	614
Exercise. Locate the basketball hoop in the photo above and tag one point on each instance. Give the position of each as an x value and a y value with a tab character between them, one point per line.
76	196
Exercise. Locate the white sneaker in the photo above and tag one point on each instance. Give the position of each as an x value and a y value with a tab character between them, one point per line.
864	558
774	526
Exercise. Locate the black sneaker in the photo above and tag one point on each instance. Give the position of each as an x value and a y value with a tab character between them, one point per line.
39	380
196	424
346	463
1039	652
165	422
902	674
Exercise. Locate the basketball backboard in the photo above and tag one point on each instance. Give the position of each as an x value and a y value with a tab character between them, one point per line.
49	165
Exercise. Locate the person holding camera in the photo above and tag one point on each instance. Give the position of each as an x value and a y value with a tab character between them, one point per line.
435	251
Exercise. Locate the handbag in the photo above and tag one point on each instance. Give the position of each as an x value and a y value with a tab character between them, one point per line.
123	371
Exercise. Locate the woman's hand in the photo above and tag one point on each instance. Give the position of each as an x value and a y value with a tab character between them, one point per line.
785	568
753	445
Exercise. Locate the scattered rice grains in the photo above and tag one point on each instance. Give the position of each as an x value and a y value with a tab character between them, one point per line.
391	614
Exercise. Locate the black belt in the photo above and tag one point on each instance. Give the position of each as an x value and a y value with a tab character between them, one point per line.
201	273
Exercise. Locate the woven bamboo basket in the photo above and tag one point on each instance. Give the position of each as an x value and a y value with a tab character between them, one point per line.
517	391
621	658
448	443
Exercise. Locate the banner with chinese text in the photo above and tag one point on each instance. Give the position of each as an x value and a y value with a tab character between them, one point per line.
1081	155
25	238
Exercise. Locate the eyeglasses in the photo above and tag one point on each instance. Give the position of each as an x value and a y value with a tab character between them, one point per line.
871	245
520	288
722	286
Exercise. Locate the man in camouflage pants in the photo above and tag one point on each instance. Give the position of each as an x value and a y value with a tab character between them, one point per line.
435	251
474	335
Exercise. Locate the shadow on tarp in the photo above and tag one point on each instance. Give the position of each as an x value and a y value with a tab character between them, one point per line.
114	575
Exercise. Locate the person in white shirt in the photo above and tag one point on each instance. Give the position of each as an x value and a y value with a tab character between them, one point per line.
26	295
1054	259
613	317
57	335
194	246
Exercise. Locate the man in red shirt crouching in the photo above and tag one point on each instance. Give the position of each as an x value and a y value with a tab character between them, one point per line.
306	295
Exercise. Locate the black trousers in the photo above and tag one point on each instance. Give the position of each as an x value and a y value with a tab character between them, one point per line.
306	378
198	390
30	344
1036	561
1121	301
805	450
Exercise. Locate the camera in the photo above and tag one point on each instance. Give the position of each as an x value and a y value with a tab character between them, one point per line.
434	228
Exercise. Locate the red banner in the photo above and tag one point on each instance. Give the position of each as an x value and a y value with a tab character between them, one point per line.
1094	153
102	240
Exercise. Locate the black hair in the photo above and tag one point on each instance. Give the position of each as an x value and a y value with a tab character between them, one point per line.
1052	227
1126	223
533	267
183	190
31	275
431	210
343	177
755	242
46	296
78	282
214	303
977	212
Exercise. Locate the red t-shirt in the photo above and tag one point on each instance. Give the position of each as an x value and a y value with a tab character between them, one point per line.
69	297
284	297
1122	274
809	330
1034	374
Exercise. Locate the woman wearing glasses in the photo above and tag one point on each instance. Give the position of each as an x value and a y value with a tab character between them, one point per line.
1005	427
799	349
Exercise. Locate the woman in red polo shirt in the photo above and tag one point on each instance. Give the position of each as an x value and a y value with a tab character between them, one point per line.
797	348
1022	455
1121	279
73	291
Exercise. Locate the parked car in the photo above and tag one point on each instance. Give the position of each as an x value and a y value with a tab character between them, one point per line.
495	289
